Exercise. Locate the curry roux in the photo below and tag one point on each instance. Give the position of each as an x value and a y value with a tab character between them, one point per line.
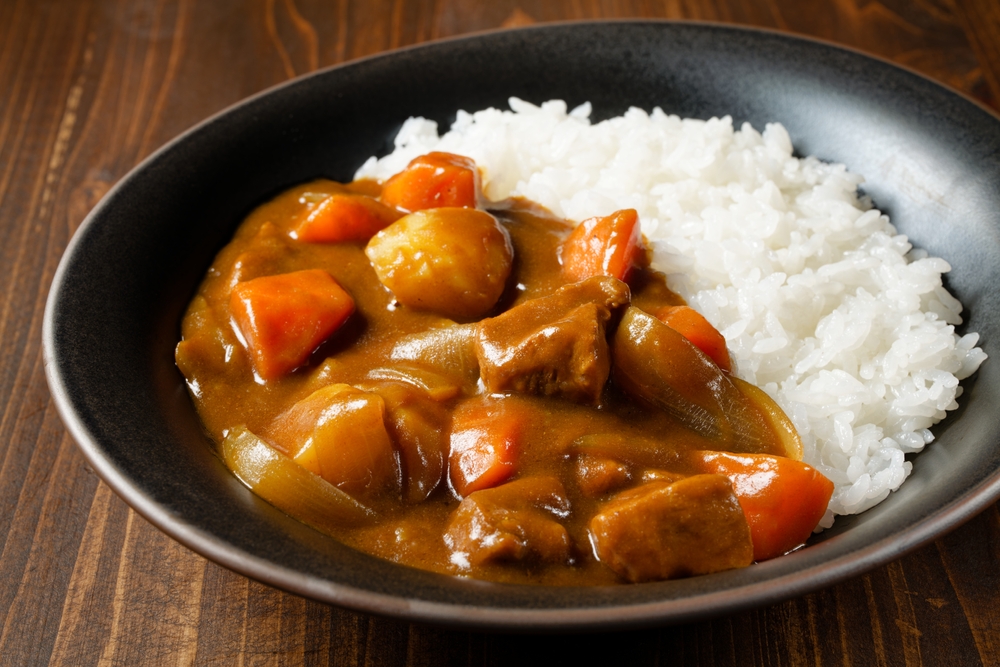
222	383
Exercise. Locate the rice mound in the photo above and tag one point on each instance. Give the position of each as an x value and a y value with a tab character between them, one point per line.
822	303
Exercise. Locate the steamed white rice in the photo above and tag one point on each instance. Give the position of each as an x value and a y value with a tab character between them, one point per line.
822	303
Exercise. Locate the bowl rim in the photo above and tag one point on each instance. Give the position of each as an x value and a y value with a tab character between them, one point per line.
702	606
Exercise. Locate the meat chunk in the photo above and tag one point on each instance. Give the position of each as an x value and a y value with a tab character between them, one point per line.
512	522
596	475
662	531
554	345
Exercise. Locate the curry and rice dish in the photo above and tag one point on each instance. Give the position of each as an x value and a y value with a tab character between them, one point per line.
468	383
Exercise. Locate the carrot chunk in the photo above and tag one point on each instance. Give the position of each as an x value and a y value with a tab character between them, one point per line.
434	180
608	246
283	318
344	218
783	499
689	323
486	441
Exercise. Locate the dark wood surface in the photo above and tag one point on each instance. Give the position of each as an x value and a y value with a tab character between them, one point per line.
89	88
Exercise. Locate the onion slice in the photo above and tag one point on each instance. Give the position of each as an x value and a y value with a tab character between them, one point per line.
655	364
288	486
450	350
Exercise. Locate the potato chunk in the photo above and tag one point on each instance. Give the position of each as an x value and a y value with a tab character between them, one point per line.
450	261
663	531
339	433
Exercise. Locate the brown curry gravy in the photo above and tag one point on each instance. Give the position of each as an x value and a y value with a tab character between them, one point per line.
226	395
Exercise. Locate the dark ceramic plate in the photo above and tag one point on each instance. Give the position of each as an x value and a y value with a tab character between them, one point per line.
931	159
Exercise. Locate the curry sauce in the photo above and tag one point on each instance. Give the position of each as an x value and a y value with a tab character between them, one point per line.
607	416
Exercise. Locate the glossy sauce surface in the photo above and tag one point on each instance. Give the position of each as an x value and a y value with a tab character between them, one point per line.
227	394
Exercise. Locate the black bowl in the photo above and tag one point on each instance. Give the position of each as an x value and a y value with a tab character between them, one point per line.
930	156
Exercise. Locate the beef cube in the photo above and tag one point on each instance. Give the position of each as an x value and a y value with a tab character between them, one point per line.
512	522
596	475
662	531
554	345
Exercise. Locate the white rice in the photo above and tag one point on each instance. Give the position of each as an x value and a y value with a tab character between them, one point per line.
822	303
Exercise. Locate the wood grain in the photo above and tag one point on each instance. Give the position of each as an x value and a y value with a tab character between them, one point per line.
89	88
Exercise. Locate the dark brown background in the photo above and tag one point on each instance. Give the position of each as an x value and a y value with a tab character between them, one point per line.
88	89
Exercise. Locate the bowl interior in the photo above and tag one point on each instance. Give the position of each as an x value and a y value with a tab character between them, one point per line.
930	159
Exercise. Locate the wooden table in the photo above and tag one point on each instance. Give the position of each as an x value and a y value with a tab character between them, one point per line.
89	88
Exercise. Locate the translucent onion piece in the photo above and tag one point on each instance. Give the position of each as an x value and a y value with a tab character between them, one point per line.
437	386
775	417
290	487
626	448
655	364
450	350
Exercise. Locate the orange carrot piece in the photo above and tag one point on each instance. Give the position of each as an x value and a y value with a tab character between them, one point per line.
344	218
283	318
783	499
608	246
485	445
435	180
689	323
